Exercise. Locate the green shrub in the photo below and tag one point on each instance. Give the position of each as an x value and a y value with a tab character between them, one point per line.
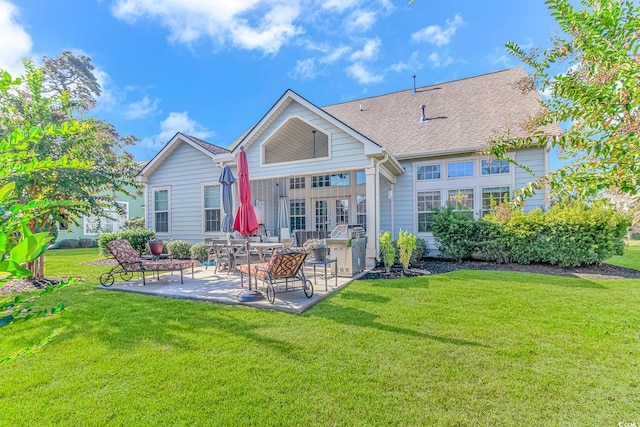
635	236
454	233
69	244
179	249
199	252
87	243
420	251
387	250
134	223
569	234
138	239
406	245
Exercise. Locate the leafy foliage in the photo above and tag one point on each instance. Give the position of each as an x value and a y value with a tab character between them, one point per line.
179	249
137	237
199	252
597	92
454	232
387	250
406	245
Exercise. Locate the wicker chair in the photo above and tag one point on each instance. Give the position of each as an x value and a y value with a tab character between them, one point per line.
281	273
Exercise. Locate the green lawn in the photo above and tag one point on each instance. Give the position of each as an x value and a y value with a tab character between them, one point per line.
465	348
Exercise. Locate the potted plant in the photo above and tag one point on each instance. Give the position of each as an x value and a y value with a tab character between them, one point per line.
155	247
317	248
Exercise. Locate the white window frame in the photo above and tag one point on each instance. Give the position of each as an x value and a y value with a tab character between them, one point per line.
361	210
302	202
418	211
491	165
203	209
473	165
418	165
87	220
154	190
509	191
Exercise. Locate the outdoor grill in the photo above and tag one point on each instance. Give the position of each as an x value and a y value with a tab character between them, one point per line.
348	245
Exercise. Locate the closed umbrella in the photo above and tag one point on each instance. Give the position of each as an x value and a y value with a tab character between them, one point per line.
245	222
283	217
226	179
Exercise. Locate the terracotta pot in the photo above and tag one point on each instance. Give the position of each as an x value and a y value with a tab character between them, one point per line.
155	247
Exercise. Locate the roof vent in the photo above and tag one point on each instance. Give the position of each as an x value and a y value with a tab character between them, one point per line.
424	117
361	109
414	84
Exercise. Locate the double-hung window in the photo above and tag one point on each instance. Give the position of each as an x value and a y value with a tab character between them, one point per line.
161	210
493	196
428	204
462	200
212	211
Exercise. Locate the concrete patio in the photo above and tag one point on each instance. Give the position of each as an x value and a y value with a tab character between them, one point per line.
225	288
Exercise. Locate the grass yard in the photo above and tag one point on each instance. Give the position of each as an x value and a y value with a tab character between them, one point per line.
464	348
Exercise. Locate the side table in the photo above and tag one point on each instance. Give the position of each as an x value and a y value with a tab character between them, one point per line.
326	262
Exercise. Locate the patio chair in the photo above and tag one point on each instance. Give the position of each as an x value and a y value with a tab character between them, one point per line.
283	269
218	252
129	262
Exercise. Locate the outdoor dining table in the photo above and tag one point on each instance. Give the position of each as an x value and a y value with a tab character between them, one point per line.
263	247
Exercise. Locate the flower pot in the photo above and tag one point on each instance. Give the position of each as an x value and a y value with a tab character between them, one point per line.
155	247
320	254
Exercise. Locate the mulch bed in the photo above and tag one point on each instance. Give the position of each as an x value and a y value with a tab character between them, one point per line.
438	266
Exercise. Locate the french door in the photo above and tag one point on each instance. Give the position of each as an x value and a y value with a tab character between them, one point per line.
330	212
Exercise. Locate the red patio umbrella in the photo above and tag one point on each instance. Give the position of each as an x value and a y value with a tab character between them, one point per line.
245	222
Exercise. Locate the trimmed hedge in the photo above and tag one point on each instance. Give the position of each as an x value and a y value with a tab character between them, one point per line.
138	239
199	252
178	249
568	234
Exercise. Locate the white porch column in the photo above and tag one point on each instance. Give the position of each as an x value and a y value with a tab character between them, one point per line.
373	214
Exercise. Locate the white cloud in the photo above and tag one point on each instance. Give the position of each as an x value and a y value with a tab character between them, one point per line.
369	51
340	5
305	69
143	108
360	20
223	22
15	42
437	61
180	122
413	64
358	72
499	57
437	35
335	54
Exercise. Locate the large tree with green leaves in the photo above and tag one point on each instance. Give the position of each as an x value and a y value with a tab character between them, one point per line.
590	80
63	90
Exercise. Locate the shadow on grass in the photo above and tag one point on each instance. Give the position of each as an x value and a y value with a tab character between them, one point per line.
169	321
360	318
359	296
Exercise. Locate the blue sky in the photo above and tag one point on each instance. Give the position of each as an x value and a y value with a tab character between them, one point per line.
212	68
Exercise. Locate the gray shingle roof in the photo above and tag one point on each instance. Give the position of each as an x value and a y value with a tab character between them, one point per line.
206	145
462	114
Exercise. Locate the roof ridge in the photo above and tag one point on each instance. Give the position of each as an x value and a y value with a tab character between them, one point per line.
425	87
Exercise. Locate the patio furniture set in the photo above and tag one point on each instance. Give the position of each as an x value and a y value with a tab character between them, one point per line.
282	272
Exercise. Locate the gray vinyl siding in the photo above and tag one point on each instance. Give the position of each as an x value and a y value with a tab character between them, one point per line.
346	152
385	206
184	171
404	199
534	158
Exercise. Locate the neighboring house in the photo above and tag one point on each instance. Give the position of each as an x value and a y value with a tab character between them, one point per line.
386	162
90	227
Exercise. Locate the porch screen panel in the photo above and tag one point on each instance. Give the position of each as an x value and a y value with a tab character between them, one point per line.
342	211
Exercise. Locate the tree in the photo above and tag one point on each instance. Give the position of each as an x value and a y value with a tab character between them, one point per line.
61	92
597	94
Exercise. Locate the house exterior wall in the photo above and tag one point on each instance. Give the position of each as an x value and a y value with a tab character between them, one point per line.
537	160
346	153
405	214
183	173
135	209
